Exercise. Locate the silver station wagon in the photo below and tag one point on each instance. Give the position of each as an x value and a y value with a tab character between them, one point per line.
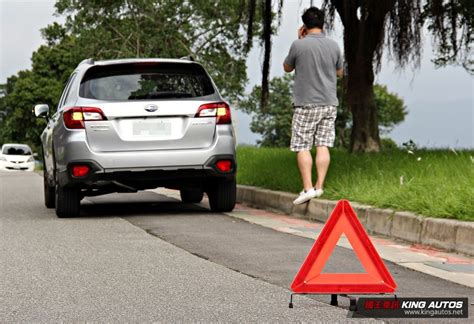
136	124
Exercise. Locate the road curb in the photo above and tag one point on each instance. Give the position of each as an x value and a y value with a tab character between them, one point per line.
445	234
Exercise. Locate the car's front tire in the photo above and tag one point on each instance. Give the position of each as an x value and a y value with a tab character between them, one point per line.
67	202
191	196
222	195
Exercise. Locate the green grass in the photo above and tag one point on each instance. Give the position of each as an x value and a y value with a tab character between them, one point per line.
440	184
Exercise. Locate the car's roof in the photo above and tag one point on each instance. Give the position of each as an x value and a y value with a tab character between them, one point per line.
15	144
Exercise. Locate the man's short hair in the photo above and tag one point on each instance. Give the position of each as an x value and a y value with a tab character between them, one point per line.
313	18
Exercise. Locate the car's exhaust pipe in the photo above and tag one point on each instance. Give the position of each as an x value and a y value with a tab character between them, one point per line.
121	185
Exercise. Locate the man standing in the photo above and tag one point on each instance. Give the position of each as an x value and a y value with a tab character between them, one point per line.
317	62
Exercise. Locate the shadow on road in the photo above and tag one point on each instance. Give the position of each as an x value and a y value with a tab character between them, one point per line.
139	204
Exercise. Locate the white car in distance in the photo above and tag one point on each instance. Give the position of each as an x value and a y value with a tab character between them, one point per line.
16	157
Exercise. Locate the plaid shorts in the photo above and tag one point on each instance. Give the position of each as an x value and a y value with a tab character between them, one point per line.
313	125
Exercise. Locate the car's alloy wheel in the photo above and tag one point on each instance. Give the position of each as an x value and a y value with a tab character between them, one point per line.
191	196
49	194
67	202
222	195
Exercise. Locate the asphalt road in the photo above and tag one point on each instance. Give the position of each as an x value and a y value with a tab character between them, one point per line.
148	257
101	267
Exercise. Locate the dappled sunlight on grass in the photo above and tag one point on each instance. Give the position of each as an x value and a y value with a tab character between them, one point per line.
437	183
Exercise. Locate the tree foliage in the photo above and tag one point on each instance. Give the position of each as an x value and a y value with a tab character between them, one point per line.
452	25
51	66
373	25
274	123
209	31
396	25
213	32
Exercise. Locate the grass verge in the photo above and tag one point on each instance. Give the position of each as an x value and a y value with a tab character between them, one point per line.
436	183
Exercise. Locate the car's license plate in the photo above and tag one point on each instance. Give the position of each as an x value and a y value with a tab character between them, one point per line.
152	128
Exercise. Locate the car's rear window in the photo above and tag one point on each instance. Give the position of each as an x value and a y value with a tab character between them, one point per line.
148	80
16	150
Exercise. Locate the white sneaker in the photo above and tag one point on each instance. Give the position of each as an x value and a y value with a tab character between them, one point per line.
305	196
319	192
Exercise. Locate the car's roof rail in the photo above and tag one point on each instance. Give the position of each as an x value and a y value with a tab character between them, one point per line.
188	57
87	61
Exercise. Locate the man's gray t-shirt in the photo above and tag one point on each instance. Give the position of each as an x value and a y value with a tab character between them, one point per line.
315	59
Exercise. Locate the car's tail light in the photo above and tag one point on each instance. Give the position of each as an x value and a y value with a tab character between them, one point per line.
220	110
79	171
224	165
75	117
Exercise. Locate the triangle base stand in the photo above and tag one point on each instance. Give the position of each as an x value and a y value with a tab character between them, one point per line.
334	302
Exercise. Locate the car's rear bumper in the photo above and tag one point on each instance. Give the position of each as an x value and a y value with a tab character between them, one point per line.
151	177
143	169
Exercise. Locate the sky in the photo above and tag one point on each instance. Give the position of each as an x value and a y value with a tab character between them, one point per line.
439	100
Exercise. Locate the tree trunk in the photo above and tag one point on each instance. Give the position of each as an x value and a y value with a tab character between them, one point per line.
267	39
363	36
360	97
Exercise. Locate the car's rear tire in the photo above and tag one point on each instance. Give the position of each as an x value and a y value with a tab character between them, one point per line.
191	196
49	194
67	202
222	195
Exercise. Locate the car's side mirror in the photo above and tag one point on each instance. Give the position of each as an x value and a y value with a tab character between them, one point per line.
35	155
42	111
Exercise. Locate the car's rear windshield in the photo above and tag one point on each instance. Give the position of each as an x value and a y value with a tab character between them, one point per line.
16	150
148	80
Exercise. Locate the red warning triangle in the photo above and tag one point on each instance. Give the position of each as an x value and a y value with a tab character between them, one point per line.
377	279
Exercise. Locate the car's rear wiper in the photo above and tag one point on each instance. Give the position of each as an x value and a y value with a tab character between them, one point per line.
163	94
